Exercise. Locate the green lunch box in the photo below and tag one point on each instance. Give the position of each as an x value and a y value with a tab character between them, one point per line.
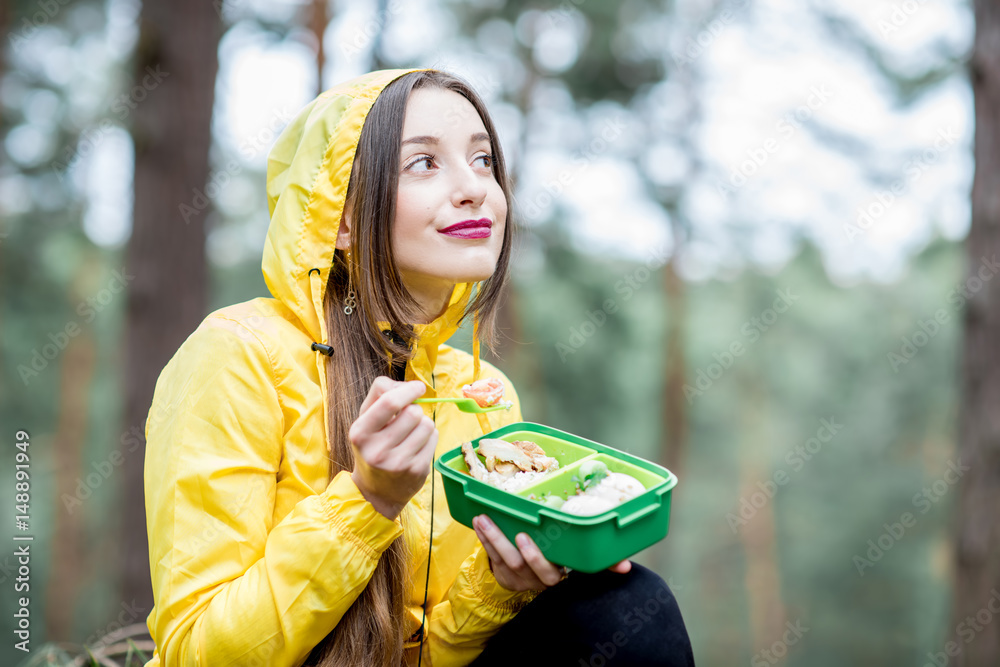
585	543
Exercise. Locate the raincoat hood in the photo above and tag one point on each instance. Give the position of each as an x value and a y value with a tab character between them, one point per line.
308	171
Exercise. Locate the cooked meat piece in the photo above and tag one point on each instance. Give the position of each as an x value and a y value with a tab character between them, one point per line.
501	450
537	455
529	448
476	467
507	465
506	469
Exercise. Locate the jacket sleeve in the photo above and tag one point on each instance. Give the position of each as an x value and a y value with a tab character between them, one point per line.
230	587
476	606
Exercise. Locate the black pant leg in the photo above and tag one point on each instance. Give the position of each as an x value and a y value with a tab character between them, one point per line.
601	619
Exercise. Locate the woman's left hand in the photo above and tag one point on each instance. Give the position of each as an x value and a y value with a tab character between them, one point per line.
522	567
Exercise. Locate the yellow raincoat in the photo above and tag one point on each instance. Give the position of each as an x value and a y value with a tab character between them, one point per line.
254	556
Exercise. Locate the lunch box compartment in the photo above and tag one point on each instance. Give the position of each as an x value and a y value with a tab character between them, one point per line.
562	484
563	451
585	543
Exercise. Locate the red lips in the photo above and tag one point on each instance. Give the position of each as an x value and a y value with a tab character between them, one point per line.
465	224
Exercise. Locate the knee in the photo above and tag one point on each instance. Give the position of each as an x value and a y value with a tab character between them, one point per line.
651	630
648	594
607	618
633	601
648	584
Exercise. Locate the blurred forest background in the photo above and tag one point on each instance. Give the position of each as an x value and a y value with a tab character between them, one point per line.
751	251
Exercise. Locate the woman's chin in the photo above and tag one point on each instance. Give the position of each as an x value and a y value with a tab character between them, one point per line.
473	272
478	276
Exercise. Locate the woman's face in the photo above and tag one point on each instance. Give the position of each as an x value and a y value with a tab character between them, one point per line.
445	177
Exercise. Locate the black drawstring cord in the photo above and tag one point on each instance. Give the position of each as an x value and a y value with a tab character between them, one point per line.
325	349
430	544
319	347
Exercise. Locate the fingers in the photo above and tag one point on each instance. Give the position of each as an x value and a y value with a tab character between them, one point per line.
391	401
381	385
407	435
507	572
416	447
622	567
546	571
527	563
405	421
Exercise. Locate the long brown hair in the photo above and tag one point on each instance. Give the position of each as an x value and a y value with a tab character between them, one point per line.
371	633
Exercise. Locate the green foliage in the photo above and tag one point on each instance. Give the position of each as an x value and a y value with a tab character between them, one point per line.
592	370
825	358
109	651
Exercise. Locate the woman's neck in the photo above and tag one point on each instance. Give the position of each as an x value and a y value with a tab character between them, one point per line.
432	300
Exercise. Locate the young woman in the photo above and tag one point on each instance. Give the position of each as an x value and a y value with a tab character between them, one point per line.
291	512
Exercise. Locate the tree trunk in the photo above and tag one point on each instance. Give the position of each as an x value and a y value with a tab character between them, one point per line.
765	605
382	16
175	70
978	545
674	423
318	22
71	565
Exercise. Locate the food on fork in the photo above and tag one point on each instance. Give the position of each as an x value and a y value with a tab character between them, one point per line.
487	393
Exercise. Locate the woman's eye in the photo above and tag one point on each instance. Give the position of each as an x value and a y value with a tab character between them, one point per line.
488	158
423	160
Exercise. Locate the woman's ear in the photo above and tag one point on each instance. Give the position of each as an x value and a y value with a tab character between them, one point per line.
344	232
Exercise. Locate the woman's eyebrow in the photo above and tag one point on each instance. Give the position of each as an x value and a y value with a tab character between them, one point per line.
427	139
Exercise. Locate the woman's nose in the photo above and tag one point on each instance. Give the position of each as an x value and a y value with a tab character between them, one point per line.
469	187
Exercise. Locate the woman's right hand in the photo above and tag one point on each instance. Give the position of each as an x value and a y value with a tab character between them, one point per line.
393	442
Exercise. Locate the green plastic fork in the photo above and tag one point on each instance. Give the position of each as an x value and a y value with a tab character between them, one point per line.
464	404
